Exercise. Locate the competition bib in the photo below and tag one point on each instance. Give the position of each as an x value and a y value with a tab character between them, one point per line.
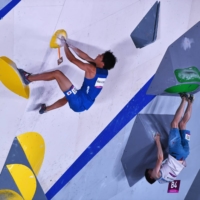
100	82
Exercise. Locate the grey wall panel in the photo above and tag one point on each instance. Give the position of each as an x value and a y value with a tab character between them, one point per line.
194	191
164	76
181	54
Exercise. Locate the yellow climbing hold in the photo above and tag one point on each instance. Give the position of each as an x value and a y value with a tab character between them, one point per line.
11	78
9	195
24	179
55	43
34	148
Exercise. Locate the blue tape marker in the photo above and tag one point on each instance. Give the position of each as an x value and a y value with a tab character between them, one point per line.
133	107
8	7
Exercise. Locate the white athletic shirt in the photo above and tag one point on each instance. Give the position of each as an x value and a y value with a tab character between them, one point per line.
170	169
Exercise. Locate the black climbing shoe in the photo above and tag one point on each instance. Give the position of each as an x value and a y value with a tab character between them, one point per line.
184	95
24	76
42	109
191	98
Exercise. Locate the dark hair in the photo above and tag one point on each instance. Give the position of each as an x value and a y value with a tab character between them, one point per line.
109	60
148	178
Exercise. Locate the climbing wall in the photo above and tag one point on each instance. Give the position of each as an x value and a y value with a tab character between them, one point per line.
84	151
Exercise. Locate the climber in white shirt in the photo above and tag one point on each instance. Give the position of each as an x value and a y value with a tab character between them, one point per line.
179	137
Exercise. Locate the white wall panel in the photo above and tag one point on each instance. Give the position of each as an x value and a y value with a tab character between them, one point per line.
95	25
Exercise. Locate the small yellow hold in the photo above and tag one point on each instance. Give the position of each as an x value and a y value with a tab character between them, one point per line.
55	43
9	195
34	148
11	78
24	179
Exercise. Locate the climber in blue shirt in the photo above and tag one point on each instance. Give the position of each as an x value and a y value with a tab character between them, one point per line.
96	72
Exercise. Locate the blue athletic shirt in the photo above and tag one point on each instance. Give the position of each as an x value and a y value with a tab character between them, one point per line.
92	87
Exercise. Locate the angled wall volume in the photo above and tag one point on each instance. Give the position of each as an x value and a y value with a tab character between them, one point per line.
140	152
194	192
179	70
146	31
22	164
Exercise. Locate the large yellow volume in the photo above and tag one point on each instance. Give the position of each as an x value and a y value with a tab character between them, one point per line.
54	43
9	195
11	78
24	179
34	148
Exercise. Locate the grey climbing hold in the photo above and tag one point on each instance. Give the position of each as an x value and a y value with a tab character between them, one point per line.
146	31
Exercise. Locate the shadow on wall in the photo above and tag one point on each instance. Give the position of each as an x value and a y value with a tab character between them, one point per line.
124	51
91	50
118	172
46	56
141	151
36	94
144	159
